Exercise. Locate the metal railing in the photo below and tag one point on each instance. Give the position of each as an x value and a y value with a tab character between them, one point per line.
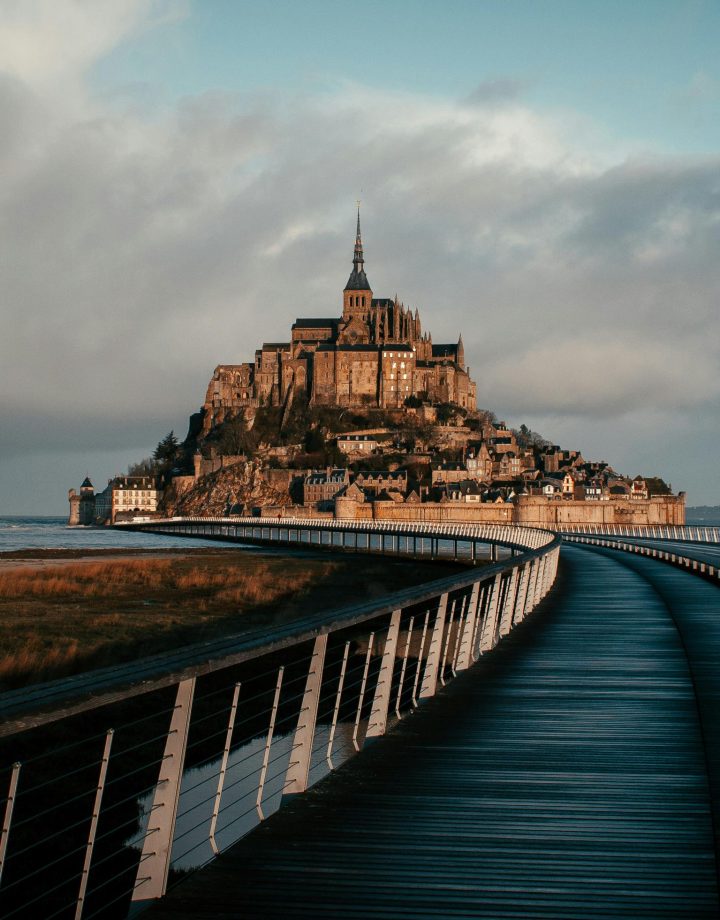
686	533
697	566
119	781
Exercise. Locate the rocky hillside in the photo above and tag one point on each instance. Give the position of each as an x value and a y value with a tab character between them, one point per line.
241	485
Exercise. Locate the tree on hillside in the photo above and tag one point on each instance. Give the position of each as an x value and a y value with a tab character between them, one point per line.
167	452
146	467
234	438
526	437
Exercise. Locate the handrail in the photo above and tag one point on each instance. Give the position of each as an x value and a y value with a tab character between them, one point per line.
696	566
686	532
258	715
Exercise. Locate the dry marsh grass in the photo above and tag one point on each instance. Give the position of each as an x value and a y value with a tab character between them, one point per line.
60	619
65	618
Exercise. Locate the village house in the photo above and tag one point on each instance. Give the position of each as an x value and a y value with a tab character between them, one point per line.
468	491
447	472
357	444
133	496
322	486
479	462
378	480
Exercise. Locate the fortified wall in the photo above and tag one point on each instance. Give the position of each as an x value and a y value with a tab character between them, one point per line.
531	511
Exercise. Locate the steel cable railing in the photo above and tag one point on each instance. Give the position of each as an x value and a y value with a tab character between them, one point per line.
220	759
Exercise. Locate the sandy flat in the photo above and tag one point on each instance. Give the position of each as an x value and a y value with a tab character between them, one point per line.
47	558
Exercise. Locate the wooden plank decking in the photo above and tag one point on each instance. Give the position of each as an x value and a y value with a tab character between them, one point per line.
567	775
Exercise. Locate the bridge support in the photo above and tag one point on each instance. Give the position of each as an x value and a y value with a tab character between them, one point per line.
296	778
381	701
152	876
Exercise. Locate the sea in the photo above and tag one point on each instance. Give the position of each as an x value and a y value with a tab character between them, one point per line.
17	533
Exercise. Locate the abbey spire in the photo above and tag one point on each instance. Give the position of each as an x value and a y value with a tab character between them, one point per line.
358	279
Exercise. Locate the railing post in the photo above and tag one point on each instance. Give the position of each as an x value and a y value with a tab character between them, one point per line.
416	679
381	700
296	779
336	708
508	609
519	605
152	876
93	825
268	743
223	768
432	663
540	581
489	627
459	630
398	699
464	657
448	634
527	594
361	699
7	818
483	604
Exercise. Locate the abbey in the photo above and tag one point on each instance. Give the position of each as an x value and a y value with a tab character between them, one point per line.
374	355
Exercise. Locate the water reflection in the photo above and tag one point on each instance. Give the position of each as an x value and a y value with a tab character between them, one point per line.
238	813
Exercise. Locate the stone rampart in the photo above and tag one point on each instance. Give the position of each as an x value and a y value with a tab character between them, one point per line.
530	511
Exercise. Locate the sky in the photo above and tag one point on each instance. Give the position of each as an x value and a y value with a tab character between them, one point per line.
178	182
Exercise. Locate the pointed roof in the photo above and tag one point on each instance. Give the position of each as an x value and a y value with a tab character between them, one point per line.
358	279
86	484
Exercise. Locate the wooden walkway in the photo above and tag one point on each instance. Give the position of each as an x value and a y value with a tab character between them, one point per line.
567	775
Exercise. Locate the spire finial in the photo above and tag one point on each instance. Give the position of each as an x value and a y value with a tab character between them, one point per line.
358	258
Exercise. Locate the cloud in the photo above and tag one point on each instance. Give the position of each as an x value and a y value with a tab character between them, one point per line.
44	43
139	249
498	91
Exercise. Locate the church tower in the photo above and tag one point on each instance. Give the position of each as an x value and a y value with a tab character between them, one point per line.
357	296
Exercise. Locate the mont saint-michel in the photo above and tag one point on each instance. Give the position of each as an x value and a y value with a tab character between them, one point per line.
362	415
374	355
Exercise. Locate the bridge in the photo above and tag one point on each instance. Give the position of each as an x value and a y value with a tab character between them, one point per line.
535	736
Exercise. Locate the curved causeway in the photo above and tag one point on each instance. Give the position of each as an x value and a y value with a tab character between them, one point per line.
572	773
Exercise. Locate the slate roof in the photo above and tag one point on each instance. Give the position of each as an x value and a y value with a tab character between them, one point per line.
357	281
444	351
310	323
